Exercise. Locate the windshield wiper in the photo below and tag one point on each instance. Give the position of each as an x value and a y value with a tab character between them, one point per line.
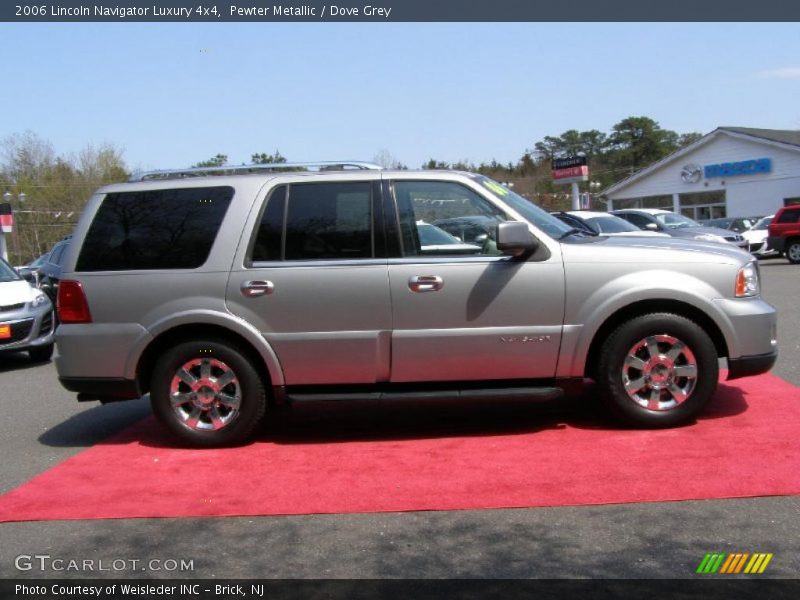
576	231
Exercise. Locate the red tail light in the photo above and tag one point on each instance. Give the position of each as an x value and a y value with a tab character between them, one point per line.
72	304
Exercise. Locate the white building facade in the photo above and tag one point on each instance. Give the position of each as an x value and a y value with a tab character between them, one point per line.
732	171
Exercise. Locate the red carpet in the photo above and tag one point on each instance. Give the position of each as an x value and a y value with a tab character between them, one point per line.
371	458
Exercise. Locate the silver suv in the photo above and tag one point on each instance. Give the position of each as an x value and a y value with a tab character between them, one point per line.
222	293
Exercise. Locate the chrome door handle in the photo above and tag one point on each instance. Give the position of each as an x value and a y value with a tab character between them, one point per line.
425	283
255	288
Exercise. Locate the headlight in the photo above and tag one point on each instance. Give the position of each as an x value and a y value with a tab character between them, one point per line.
710	237
747	281
39	300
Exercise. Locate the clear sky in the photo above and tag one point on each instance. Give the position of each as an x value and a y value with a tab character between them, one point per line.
173	94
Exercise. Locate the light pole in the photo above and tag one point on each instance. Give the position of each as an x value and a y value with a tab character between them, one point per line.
594	186
14	227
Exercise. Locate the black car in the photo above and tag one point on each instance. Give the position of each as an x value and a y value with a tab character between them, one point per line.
28	272
49	272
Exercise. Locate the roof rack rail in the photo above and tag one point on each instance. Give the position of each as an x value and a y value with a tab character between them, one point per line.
330	165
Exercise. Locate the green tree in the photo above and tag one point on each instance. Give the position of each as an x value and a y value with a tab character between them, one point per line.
215	161
636	142
435	165
262	158
56	188
688	138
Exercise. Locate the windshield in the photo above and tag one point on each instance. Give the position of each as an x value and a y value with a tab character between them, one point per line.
7	273
675	221
763	223
612	224
543	220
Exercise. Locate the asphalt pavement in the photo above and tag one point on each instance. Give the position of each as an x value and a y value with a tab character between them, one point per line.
45	425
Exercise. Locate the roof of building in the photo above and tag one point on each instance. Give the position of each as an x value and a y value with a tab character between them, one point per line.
788	137
784	136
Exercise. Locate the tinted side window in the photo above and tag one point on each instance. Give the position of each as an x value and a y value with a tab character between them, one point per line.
329	221
55	257
156	229
638	220
789	216
316	221
268	244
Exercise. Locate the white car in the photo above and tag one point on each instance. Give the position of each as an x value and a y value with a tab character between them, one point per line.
26	316
603	223
757	238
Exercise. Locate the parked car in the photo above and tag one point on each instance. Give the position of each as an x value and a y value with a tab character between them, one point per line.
437	241
223	295
29	271
737	224
784	233
49	272
676	225
26	316
602	223
473	229
756	236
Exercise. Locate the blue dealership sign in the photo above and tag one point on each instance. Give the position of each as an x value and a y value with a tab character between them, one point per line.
745	167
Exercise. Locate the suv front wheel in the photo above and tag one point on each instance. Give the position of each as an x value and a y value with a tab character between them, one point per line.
207	393
658	370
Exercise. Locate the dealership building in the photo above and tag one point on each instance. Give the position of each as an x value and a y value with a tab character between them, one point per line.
730	172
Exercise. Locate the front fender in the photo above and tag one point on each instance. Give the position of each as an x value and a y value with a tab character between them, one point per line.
584	319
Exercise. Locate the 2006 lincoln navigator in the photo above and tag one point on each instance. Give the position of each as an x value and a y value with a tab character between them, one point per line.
223	292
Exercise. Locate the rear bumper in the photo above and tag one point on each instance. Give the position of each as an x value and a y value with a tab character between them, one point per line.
751	365
103	389
777	243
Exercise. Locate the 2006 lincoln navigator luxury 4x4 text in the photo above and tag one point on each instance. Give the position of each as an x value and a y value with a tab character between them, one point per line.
221	293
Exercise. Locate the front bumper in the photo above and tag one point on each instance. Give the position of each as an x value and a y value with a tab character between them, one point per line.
752	325
751	365
30	328
105	389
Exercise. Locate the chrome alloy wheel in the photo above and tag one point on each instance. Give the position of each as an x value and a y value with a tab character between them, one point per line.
205	394
659	372
793	253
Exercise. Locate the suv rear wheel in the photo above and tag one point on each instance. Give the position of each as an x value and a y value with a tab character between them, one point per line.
208	393
793	251
658	370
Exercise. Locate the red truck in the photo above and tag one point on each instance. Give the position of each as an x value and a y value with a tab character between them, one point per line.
784	233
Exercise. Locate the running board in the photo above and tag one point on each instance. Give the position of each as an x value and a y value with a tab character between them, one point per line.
537	394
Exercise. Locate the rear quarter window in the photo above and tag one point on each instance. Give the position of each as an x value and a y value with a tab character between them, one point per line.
789	216
154	229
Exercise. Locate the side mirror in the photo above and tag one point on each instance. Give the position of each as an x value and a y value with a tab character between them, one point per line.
651	227
514	238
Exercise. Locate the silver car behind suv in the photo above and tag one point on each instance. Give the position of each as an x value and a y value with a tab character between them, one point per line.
229	291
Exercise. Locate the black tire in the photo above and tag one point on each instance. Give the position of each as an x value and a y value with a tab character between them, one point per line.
41	353
792	252
194	420
664	408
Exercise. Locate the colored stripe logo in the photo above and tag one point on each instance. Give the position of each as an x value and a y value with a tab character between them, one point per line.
734	563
